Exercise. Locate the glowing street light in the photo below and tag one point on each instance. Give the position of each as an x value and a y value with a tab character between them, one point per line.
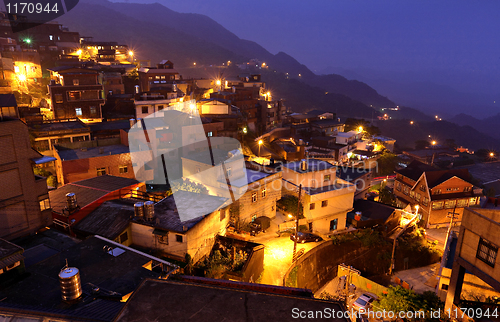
21	77
360	129
194	64
27	40
433	142
492	155
245	130
218	82
260	143
411	122
192	106
79	52
131	53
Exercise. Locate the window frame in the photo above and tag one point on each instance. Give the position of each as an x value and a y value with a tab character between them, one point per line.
491	249
324	203
177	237
100	170
254	197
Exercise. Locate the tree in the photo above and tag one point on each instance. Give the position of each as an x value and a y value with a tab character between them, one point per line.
421	144
386	196
387	163
188	185
289	204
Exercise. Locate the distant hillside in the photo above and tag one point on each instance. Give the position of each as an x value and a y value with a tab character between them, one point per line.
156	32
488	125
406	134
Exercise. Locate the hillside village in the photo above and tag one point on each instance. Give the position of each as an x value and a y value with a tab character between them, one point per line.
123	177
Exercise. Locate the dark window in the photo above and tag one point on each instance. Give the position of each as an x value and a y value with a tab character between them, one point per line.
58	98
333	224
178	238
145	110
437	191
467	189
123	237
222	214
425	201
444	287
312	206
254	197
74	96
160	107
422	188
487	252
324	203
93	110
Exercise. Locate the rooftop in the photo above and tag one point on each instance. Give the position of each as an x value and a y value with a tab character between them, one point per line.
59	126
78	154
251	176
313	165
88	190
326	123
372	210
109	126
218	301
351	174
40	291
7	100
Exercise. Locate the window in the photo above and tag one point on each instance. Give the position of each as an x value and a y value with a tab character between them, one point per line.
417	196
333	224
472	201
51	37
228	171
123	169
58	98
123	237
324	203
178	238
160	107
210	134
44	204
425	201
76	82
437	205
157	77
254	197
450	204
398	186
74	95
406	190
145	110
264	193
93	110
412	194
312	206
422	188
78	111
467	189
487	252
327	178
437	191
101	171
444	287
222	213
449	189
163	239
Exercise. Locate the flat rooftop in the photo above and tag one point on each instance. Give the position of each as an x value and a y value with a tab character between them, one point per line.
77	154
198	302
59	126
313	165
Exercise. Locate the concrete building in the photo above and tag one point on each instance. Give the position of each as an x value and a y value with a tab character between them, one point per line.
76	93
361	177
437	192
78	164
163	76
24	199
325	197
476	252
47	134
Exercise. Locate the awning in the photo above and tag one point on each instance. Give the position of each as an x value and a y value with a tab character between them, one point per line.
160	232
43	159
11	260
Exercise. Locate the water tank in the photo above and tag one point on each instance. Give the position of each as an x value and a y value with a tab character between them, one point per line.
139	209
71	201
71	286
303	165
136	89
149	210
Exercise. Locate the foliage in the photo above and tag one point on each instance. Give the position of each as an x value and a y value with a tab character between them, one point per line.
327	296
399	299
291	281
220	262
288	204
188	185
303	228
387	163
386	196
51	179
421	144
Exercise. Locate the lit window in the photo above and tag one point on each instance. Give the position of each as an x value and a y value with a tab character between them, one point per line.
417	196
44	204
487	252
78	111
74	96
425	201
76	82
327	178
467	189
51	37
450	204
101	171
472	201
263	193
210	134
324	203
462	203
437	191
123	169
58	98
254	197
412	194
437	205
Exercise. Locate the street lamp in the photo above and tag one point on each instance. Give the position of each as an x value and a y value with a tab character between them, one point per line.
411	122
492	155
260	143
433	142
360	129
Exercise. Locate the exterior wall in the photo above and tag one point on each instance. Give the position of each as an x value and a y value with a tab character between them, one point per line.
142	235
472	288
20	191
153	106
214	107
314	179
75	170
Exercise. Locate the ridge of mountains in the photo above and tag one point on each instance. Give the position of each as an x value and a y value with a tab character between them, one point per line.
155	32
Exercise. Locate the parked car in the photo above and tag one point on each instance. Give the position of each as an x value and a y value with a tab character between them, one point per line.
363	302
306	237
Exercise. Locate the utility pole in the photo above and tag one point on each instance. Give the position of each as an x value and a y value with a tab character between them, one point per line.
348	283
391	268
296	225
451	215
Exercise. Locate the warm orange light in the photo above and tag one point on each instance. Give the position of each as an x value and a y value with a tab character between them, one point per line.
79	52
261	142
492	154
360	129
21	77
290	216
194	64
411	122
131	53
218	82
433	142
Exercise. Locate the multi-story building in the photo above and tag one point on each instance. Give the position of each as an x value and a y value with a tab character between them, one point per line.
326	198
24	199
437	192
476	253
76	93
163	76
49	133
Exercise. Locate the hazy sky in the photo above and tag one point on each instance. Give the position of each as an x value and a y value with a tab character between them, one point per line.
378	34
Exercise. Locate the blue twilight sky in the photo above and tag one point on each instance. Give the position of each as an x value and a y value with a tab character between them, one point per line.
376	34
